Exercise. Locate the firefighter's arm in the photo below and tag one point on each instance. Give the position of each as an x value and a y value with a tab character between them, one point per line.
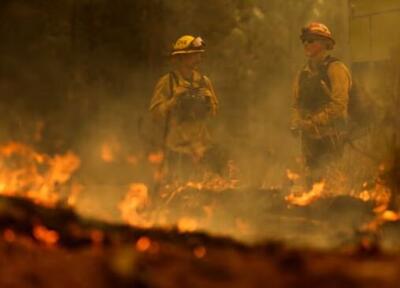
340	81
208	91
162	102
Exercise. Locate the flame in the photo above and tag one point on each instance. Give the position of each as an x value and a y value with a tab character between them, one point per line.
379	194
390	216
44	235
134	201
39	177
186	224
308	197
292	175
76	189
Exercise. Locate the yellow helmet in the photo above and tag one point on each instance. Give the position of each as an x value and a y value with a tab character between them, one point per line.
188	44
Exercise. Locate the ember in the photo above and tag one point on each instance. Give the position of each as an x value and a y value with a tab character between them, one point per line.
44	235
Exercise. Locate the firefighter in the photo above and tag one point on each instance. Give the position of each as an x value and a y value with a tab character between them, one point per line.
184	100
320	102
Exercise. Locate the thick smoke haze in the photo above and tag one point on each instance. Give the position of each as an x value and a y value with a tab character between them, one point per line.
78	75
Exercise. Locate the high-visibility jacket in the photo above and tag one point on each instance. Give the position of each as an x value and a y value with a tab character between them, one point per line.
321	98
189	136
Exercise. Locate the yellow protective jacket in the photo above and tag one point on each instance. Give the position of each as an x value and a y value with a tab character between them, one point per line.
190	136
320	99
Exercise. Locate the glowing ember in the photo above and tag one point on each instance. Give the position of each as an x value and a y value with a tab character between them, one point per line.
380	195
44	235
308	197
9	235
199	252
156	158
39	177
134	201
143	244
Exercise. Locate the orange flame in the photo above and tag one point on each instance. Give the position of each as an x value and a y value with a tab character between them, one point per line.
186	224
39	177
308	197
135	200
292	175
44	235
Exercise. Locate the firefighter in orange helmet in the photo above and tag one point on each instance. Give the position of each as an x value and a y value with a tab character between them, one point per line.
320	101
184	100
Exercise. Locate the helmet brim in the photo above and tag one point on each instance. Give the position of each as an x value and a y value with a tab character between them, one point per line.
186	52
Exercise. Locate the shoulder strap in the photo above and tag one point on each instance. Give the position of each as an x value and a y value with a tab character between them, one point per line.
172	78
323	70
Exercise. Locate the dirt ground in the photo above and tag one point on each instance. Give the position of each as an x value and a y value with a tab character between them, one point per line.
42	247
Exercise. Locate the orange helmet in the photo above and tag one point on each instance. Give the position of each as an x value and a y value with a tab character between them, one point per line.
317	30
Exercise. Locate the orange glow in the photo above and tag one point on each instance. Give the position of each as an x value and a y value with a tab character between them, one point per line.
143	244
186	224
380	194
308	197
97	237
242	226
156	157
134	201
199	252
44	235
292	175
39	177
389	215
9	235
76	189
107	153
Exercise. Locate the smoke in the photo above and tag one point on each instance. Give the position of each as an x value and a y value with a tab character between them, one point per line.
82	76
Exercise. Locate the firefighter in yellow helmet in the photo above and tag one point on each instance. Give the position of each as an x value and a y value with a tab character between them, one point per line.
184	100
320	101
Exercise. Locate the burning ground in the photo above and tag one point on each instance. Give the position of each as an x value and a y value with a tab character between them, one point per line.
41	234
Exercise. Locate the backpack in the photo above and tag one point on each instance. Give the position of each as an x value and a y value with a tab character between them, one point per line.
361	107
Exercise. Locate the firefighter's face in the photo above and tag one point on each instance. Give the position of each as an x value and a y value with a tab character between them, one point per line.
191	60
313	47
